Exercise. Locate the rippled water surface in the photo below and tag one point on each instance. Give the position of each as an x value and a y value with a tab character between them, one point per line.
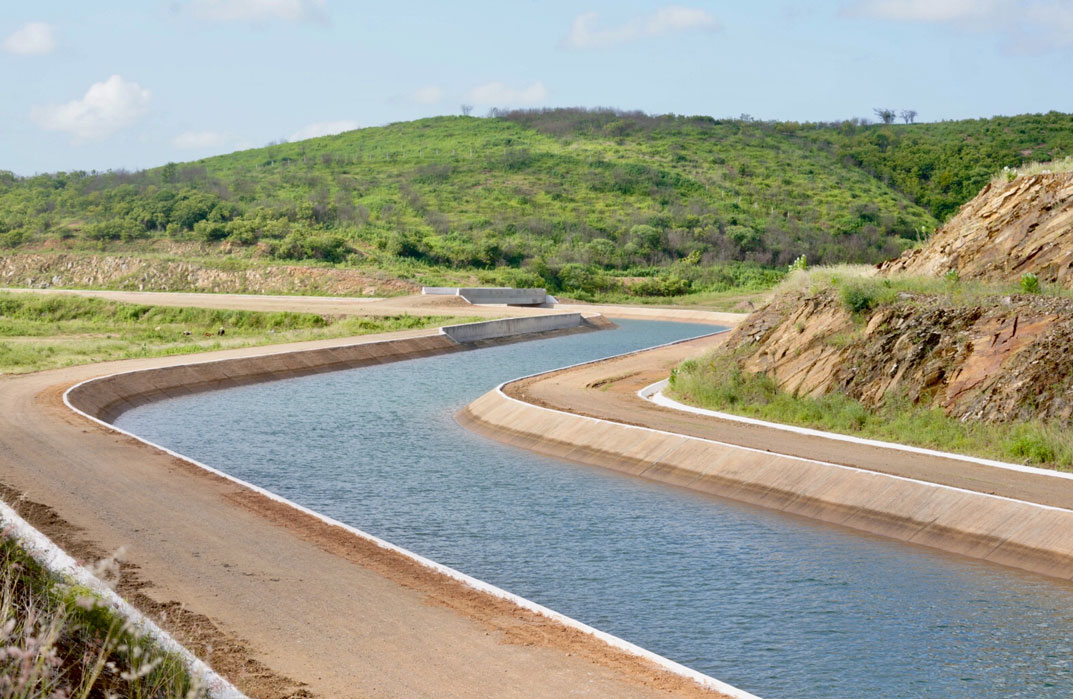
774	604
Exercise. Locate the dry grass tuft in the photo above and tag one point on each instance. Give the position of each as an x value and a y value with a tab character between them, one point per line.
60	640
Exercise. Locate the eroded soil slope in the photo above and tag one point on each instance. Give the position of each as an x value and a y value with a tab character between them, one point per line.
995	359
43	271
1009	229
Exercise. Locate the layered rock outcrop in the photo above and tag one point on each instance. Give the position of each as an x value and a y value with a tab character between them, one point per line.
1009	229
995	359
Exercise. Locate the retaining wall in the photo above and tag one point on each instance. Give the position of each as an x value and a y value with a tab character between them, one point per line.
521	297
1001	530
506	327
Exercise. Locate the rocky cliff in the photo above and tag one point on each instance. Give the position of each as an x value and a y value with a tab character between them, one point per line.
994	358
1010	228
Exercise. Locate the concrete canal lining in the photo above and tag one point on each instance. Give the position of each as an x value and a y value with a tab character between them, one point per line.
512	327
102	399
1002	530
108	397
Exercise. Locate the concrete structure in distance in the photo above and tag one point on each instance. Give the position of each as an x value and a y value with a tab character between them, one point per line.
492	295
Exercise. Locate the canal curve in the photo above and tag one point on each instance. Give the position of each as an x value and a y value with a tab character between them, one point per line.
774	604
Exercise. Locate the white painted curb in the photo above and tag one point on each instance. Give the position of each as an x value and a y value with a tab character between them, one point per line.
467	580
58	562
879	474
654	393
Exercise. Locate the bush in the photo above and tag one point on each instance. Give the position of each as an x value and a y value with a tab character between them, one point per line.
210	231
328	247
859	298
661	286
1030	283
115	229
587	279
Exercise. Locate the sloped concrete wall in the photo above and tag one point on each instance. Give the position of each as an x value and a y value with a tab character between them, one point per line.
1009	532
108	397
507	327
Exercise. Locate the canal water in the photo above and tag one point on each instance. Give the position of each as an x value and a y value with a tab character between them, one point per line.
778	605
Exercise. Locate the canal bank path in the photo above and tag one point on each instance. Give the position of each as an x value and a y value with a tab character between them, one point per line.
608	390
278	601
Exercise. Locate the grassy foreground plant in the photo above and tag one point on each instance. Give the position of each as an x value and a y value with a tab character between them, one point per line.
60	640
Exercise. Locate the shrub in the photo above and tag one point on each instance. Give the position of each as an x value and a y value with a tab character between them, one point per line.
859	298
661	286
210	231
1030	283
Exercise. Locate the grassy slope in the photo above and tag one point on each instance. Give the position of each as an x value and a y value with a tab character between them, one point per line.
40	331
945	164
717	382
568	195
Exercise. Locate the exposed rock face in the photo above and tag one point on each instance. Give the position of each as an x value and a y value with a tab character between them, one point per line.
43	271
1007	230
998	360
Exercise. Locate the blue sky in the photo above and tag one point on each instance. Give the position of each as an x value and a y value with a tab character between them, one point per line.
130	84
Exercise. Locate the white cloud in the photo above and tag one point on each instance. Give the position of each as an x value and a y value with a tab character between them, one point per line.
257	10
500	95
31	39
672	19
430	94
1026	26
200	140
323	128
106	108
1057	17
933	11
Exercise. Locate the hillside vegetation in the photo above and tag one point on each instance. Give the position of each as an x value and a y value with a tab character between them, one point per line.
589	202
941	363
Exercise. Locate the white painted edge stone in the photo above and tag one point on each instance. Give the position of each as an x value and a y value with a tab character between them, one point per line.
660	661
59	563
878	474
654	394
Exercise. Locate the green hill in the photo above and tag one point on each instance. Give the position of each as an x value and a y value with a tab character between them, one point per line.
571	199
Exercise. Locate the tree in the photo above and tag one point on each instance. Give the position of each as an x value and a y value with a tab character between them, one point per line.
908	115
885	115
467	109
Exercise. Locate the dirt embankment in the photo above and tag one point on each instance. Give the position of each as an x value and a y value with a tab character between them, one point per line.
993	358
62	270
1009	229
998	359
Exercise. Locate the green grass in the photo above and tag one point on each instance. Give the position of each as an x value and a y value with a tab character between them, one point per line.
716	382
1037	168
44	331
554	198
61	640
861	289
